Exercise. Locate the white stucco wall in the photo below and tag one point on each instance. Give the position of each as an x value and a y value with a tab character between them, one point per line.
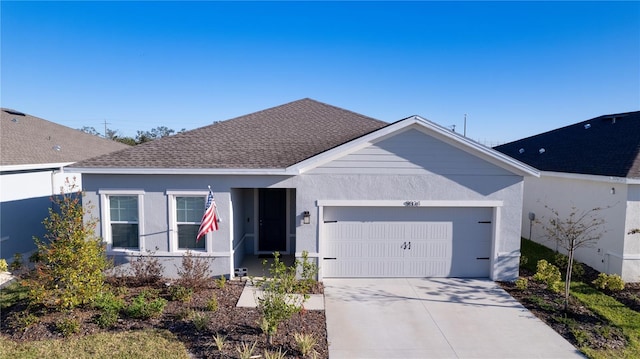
610	254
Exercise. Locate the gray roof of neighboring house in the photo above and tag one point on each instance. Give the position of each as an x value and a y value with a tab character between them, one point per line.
277	137
29	140
608	145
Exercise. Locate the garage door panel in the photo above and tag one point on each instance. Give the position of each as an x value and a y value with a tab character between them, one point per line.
430	242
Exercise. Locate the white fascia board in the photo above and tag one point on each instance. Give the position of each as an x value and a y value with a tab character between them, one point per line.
594	178
37	166
184	171
408	203
444	134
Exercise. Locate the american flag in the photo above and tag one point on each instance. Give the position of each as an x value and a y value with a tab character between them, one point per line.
209	221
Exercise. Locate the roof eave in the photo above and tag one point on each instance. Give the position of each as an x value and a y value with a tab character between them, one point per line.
587	177
35	166
181	171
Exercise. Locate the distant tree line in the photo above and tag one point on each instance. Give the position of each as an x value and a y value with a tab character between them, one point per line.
141	136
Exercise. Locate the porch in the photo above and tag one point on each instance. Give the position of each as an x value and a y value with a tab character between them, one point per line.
255	268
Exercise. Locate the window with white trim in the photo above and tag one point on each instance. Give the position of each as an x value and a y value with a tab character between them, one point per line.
123	211
185	215
189	211
122	219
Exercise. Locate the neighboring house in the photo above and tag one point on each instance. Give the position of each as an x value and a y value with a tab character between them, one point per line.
363	197
33	153
590	164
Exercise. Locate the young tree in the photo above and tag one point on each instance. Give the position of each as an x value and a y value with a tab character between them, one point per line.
581	229
70	262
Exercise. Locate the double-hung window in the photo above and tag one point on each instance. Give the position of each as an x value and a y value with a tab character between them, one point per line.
189	211
185	215
121	219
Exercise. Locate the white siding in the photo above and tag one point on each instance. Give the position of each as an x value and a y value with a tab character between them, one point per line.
411	152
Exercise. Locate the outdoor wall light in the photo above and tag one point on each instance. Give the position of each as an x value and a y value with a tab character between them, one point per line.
306	217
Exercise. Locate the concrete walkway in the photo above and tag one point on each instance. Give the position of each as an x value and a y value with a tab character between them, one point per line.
434	318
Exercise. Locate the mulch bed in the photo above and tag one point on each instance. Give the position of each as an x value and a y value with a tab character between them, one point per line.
239	325
578	325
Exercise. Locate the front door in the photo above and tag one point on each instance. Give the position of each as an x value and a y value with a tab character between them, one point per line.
272	235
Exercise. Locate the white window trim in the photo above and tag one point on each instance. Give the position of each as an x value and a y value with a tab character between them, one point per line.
105	212
173	223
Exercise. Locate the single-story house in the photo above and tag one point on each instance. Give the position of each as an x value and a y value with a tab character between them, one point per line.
363	197
33	153
590	164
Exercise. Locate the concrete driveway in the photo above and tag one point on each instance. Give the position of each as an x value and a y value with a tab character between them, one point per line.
434	318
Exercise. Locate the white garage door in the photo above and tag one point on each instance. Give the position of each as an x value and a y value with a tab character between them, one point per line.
406	242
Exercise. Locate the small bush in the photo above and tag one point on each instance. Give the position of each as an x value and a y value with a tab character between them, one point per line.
548	274
107	300
221	282
180	293
305	343
220	341
68	326
212	304
17	262
194	272
308	273
3	265
143	307
561	261
611	282
106	319
245	350
523	260
200	320
147	269
522	283
23	320
275	355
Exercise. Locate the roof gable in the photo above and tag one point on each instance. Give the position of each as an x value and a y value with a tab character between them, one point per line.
29	140
275	138
457	145
608	145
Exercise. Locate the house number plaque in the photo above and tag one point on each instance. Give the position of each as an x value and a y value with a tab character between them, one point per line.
412	203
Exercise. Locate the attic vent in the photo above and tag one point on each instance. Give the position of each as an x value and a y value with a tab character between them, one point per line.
57	148
542	150
14	120
13	112
587	126
521	150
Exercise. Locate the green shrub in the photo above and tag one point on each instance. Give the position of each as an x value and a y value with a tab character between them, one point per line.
107	300
3	265
212	304
221	282
522	283
561	261
23	320
180	293
17	262
305	343
219	340
523	260
611	282
143	307
68	326
308	273
548	274
72	259
106	319
200	320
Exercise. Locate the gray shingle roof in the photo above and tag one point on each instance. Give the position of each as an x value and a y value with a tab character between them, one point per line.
608	145
274	138
29	140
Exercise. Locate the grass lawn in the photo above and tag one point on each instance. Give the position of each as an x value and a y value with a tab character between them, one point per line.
608	308
151	344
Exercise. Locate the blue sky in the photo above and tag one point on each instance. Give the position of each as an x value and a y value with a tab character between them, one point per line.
514	68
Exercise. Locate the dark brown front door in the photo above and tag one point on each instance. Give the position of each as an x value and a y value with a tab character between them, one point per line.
272	222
